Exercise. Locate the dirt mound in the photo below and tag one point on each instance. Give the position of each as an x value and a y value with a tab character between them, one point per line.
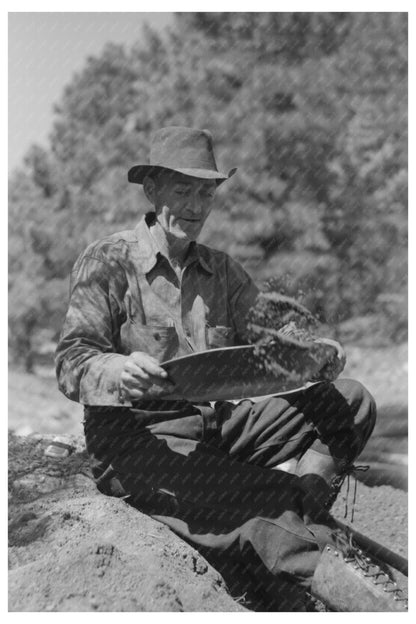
102	555
72	549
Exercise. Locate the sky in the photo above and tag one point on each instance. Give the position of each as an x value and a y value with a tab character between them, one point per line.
45	50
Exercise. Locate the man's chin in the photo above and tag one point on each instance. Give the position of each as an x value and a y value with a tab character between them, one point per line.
183	234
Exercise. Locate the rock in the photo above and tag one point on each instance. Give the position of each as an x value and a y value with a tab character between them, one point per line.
73	549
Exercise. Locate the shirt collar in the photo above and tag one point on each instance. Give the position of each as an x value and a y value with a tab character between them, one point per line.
148	249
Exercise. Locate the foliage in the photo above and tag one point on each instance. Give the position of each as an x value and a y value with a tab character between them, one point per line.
311	107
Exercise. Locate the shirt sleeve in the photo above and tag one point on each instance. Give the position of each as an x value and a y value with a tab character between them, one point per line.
242	296
88	368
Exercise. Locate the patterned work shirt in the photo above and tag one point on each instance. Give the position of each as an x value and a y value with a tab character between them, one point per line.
125	297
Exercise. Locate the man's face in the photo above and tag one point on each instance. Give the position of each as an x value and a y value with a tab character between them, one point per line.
182	203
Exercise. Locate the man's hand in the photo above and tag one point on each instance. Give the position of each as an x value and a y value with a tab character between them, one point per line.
335	365
140	373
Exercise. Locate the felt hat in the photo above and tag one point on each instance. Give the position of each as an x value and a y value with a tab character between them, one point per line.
186	150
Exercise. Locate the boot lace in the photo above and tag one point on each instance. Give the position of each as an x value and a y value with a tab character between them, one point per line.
336	484
371	570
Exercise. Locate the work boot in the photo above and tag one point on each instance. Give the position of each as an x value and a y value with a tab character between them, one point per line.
320	479
346	580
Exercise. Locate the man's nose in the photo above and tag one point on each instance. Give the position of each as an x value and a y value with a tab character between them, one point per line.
195	204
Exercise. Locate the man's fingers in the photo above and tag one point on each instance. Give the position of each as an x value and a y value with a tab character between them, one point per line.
131	381
148	364
143	376
136	372
139	376
139	379
135	392
134	377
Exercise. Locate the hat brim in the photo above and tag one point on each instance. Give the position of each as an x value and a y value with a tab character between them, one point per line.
137	174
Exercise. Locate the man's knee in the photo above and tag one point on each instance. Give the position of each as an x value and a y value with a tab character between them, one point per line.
359	399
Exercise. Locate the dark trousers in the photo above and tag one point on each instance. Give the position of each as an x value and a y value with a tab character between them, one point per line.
210	474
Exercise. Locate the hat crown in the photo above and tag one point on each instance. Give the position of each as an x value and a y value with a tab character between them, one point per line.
186	150
176	147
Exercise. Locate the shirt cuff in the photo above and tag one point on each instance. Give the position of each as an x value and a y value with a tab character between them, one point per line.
100	384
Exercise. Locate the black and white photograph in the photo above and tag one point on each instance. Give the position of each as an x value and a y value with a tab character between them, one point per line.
208	311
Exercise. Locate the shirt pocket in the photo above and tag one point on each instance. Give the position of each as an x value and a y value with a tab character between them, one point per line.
220	336
159	341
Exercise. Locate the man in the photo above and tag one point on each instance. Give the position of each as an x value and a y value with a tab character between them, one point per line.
209	471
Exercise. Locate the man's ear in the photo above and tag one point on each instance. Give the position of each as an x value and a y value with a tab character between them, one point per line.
149	187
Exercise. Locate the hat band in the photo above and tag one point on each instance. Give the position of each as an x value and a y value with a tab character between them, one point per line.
189	159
